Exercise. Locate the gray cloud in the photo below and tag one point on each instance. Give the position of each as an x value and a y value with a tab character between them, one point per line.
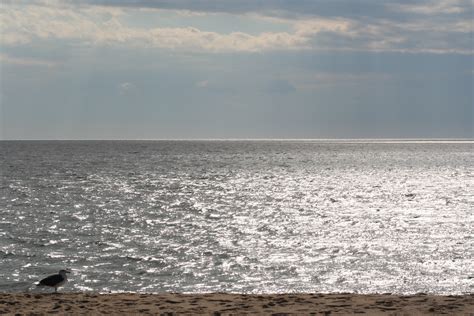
442	26
399	10
291	8
103	25
285	7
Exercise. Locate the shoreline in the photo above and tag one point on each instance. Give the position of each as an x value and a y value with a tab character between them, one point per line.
225	304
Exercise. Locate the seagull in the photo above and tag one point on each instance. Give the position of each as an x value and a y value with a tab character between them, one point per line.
55	280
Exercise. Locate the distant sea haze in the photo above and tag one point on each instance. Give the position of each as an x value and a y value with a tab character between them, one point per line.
239	216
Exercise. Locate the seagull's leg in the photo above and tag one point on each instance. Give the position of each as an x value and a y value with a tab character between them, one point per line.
55	290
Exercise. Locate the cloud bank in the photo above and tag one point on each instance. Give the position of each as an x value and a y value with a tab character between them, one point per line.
441	26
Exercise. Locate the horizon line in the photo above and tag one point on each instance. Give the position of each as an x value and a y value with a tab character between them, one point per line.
388	139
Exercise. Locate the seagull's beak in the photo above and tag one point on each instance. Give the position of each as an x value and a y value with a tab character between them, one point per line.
68	271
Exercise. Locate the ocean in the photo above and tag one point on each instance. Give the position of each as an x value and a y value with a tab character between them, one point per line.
238	216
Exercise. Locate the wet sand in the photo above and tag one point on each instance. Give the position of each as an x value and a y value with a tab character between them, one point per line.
235	304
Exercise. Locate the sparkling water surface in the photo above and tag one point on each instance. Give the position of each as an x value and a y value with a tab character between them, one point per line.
238	216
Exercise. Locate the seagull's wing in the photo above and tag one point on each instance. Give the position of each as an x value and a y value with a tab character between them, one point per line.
52	280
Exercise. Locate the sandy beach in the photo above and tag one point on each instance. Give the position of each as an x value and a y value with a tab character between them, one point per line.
234	304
